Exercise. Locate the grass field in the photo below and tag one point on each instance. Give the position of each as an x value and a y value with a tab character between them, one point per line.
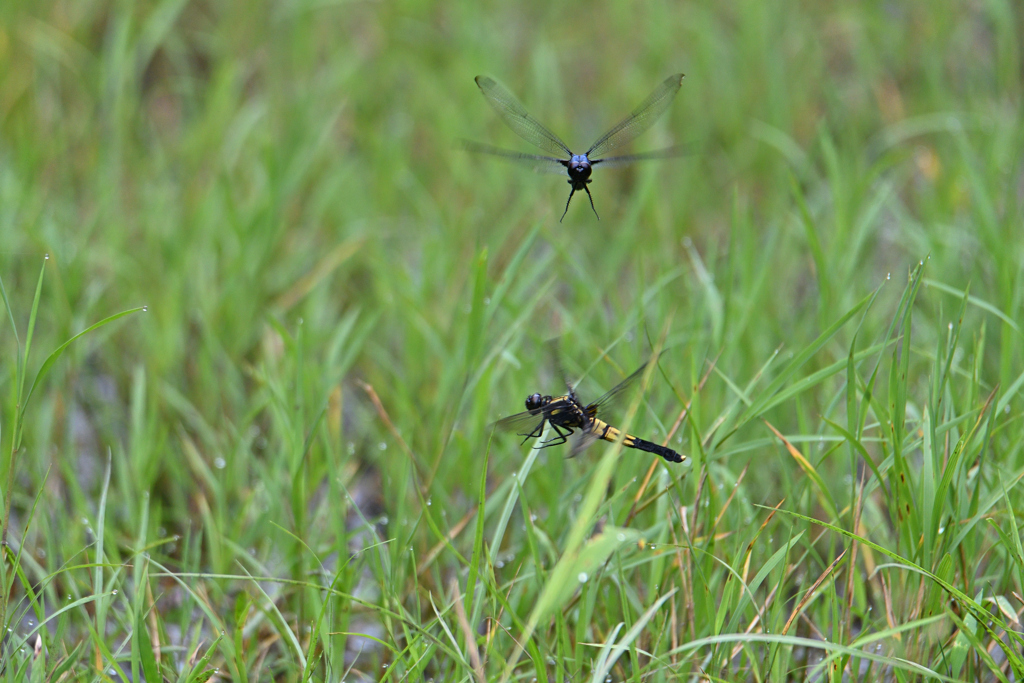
273	459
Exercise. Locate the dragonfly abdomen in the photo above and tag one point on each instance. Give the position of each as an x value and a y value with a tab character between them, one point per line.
666	453
609	433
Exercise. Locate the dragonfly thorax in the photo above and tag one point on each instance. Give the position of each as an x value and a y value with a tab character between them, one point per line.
579	169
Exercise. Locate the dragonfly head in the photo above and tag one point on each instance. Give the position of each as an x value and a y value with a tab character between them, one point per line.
535	401
579	170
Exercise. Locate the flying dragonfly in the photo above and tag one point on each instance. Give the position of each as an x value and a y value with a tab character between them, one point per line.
566	414
578	166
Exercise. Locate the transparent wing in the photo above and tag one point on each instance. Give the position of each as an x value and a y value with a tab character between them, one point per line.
522	423
587	437
556	357
641	118
582	440
617	390
518	119
667	153
540	164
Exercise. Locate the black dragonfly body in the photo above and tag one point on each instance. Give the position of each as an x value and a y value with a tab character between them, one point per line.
566	414
578	166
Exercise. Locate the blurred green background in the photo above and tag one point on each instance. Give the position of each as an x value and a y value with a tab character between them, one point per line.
280	184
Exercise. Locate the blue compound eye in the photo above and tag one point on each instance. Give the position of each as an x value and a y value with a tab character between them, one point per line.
534	401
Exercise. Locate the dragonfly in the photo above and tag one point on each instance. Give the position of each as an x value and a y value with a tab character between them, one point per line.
567	414
578	166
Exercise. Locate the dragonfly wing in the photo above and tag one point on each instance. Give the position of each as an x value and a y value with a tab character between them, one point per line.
641	118
667	153
518	119
523	423
617	390
540	164
556	356
584	439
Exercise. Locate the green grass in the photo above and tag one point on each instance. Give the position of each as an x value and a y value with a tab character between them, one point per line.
283	468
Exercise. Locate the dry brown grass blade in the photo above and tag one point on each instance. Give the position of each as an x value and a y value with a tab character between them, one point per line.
441	545
746	572
687	576
732	494
696	502
890	618
386	419
750	546
501	612
152	624
858	508
815	631
684	571
324	267
674	625
653	499
809	595
720	420
804	463
801	460
753	625
467	632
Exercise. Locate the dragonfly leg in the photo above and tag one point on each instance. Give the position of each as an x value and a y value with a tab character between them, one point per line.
571	193
537	431
591	202
561	438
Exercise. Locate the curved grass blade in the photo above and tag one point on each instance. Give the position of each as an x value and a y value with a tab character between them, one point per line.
983	305
53	357
610	652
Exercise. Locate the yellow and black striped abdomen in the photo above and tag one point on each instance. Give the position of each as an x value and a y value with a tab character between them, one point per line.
605	431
